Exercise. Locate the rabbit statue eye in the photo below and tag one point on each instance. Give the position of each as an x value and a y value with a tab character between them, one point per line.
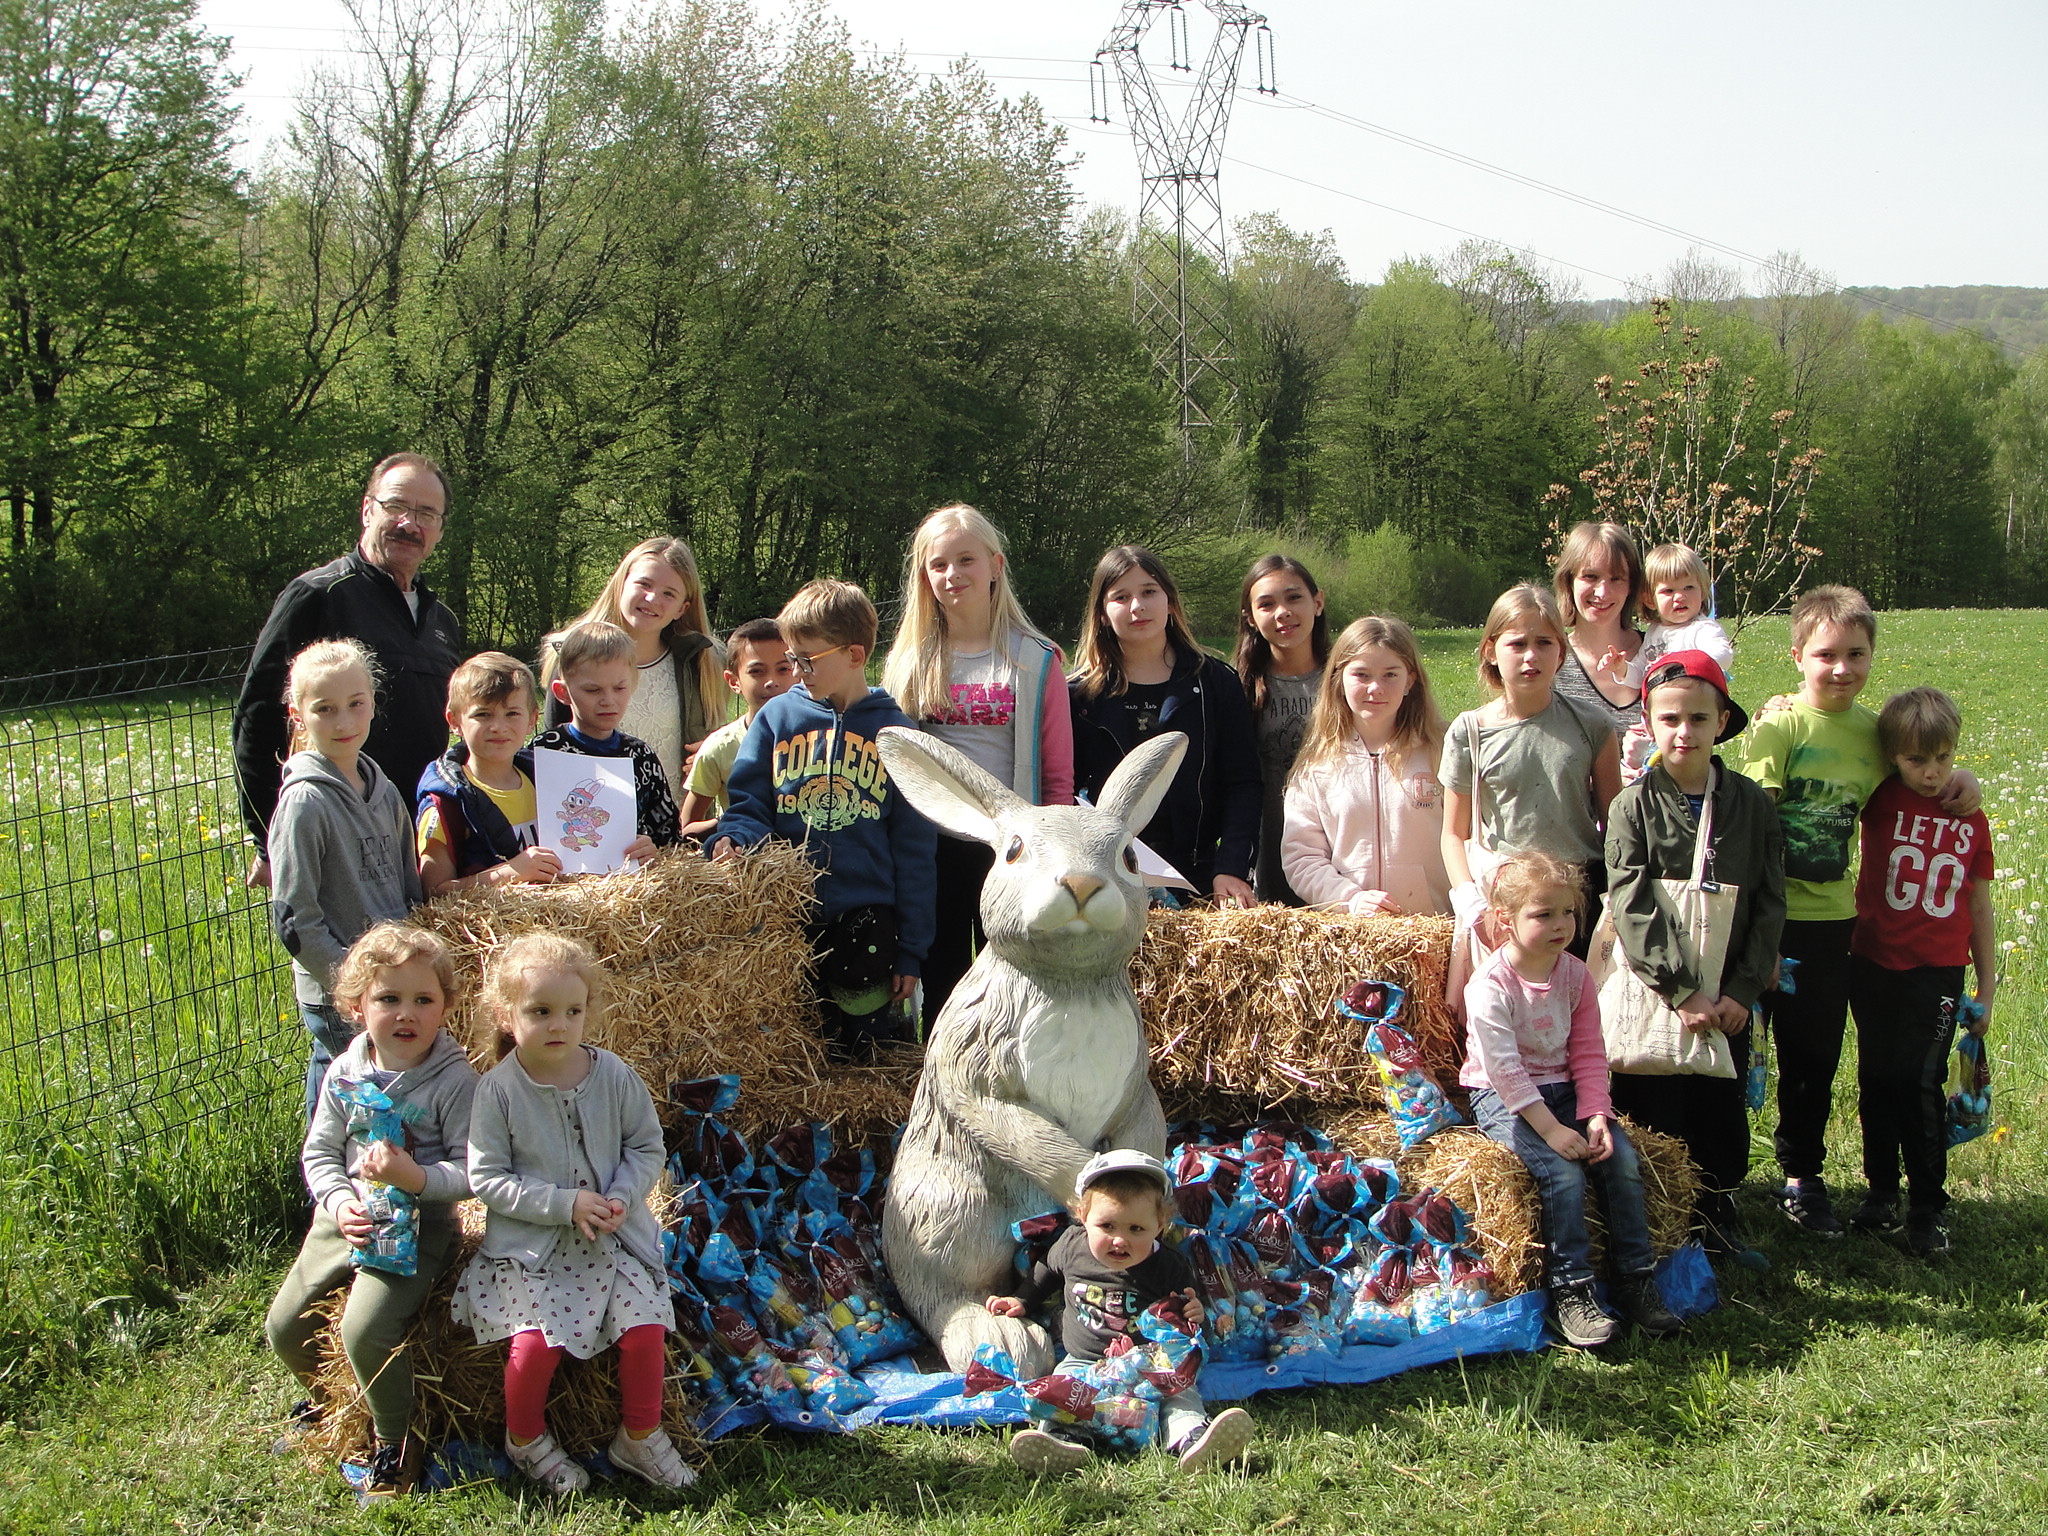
1015	851
1131	857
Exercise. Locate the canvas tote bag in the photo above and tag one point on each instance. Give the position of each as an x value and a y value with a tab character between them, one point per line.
1644	1033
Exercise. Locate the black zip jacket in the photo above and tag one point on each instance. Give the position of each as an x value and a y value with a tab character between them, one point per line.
1208	825
348	598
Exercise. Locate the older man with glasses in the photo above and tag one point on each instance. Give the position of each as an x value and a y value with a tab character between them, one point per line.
372	594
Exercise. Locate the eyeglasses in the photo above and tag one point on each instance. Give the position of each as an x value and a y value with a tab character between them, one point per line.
426	517
808	664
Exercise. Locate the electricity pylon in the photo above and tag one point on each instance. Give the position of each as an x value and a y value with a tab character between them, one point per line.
1180	234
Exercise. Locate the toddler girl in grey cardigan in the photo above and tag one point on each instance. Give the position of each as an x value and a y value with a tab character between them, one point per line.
563	1149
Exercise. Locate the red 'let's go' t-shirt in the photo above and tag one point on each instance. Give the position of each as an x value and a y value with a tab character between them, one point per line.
1913	890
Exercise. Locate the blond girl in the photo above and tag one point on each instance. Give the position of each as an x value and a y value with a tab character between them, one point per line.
655	596
1365	810
972	669
1538	766
397	985
564	1146
340	841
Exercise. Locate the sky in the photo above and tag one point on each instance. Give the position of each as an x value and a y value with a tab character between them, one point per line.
1887	145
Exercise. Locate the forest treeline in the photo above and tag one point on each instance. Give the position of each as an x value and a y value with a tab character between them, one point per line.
750	285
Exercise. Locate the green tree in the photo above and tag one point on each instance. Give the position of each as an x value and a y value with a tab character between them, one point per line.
1449	417
1914	518
2019	426
1293	307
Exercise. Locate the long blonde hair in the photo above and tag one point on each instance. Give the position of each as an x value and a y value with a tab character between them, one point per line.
1418	724
609	609
1099	655
1517	605
324	658
918	671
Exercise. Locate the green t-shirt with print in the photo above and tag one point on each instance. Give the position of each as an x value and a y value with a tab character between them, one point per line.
1821	765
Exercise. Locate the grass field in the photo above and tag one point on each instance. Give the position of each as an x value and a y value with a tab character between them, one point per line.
1849	1389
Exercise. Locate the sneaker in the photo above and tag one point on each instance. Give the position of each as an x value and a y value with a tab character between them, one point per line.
1642	1304
1926	1235
1877	1215
1045	1455
1224	1438
1806	1205
653	1457
1578	1316
392	1472
301	1421
547	1464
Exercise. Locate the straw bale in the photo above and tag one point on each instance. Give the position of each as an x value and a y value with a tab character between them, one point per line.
710	967
1671	1185
1365	1131
1240	1002
863	1104
1490	1185
459	1384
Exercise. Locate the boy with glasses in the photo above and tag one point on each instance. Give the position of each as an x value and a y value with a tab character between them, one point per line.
809	771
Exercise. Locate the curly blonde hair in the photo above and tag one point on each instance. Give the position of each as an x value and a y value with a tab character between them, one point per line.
385	948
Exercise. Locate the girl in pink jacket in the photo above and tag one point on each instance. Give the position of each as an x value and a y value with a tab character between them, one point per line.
1365	813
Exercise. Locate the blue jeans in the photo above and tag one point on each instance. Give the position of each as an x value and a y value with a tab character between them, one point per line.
1561	1183
331	1034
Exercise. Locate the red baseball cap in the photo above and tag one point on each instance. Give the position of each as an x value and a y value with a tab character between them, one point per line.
1673	665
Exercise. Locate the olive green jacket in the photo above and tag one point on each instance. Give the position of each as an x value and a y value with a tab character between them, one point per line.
1650	834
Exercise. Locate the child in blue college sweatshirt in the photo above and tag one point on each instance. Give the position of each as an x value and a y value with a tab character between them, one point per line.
809	771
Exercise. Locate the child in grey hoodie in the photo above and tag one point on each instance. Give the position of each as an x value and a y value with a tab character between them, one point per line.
397	983
340	840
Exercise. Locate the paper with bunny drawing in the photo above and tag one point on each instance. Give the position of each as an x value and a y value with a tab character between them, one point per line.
586	809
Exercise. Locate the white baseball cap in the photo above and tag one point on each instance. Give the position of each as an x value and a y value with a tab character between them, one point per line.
1123	1160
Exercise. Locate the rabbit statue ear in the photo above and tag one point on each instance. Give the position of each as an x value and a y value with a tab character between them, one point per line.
1138	783
955	795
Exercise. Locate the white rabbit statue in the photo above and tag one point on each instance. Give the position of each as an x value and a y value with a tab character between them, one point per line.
1038	1059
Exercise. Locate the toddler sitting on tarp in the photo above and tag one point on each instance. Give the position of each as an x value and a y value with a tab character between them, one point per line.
1108	1269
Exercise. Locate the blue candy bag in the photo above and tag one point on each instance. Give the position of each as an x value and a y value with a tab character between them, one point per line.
1969	1101
394	1246
1418	1106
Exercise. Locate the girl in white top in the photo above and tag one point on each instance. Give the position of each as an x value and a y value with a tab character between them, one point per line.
1675	588
564	1146
1365	810
655	596
1542	766
1283	640
971	668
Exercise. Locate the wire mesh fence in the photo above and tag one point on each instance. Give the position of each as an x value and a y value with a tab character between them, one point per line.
142	990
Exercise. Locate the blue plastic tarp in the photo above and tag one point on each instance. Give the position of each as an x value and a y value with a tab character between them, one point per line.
905	1395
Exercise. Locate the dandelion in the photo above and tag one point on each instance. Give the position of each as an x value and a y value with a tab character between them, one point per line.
106	935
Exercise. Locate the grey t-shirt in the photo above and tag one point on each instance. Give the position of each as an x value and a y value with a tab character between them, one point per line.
1535	792
1576	684
1282	725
